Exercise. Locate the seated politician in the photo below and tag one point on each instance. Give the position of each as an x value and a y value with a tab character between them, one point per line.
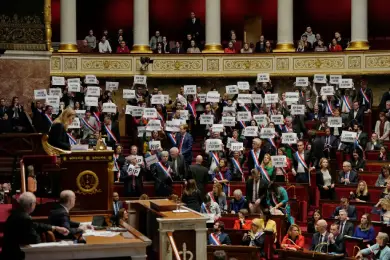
59	216
58	136
20	230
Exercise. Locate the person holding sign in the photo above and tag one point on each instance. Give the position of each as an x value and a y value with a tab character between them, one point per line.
267	170
302	160
111	131
162	174
47	120
356	115
131	174
58	136
236	169
184	143
89	125
282	172
365	96
256	155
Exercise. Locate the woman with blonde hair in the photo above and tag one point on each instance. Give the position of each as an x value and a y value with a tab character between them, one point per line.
267	170
58	136
325	182
361	194
218	196
293	240
255	236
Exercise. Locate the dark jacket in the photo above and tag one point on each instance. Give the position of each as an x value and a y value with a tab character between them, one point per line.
115	131
353	177
358	118
249	190
315	242
58	137
258	241
359	164
60	217
348	228
369	94
163	183
201	176
133	185
181	171
193	201
251	162
351	211
337	246
174	51
309	160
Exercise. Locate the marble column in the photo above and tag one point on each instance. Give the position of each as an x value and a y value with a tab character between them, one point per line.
68	26
359	40
213	27
285	26
141	27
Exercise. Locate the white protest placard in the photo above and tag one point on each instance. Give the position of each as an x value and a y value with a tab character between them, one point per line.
154	145
93	91
327	91
228	121
319	78
348	136
289	138
172	126
206	119
244	98
261	120
158	100
134	110
257	98
109	108
277	119
244	116
74	86
150	112
154	125
112	86
133	171
75	123
213	96
140	79
292	96
345	83
301	81
229	141
251	131
80	113
263	77
128	93
335	122
271	98
214	145
202	98
184	114
266	132
140	159
217	128
166	99
55	92
142	130
236	146
58	81
230	110
73	80
90	79
334	79
91	101
53	101
232	89
297	109
189	89
151	160
40	94
243	85
279	160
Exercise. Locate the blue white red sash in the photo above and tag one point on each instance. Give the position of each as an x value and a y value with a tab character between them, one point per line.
329	106
264	173
363	92
271	141
211	195
49	118
72	141
246	108
108	130
255	159
219	176
284	129
276	202
242	124
215	157
96	117
214	240
301	160
115	162
205	209
238	167
165	170
172	137
357	145
88	125
301	94
346	103
181	142
191	109
160	117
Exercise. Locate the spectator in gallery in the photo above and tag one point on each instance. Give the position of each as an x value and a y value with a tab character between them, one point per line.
308	46
230	48
310	36
193	26
268	48
85	48
236	44
108	38
194	48
341	41
320	46
120	37
187	42
122	48
117	42
165	44
335	47
91	40
154	40
104	46
159	49
260	45
318	37
301	47
246	48
382	127
177	49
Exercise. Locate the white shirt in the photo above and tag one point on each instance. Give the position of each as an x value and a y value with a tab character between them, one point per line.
327	178
104	47
300	167
255	190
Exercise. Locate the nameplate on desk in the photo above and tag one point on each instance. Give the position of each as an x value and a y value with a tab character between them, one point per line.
76	158
99	157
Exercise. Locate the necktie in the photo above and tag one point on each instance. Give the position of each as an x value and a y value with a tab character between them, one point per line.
178	50
255	192
321	237
115	208
342	228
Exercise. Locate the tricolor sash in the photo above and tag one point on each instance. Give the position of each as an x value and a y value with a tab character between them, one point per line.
49	118
363	92
219	176
205	209
301	94
108	130
214	240
284	129
301	160
346	103
172	137
329	106
264	172
96	117
357	145
275	201
236	164
246	108
211	195
72	141
271	141
160	117
88	125
115	162
215	157
255	159
165	170
191	109
181	142
242	124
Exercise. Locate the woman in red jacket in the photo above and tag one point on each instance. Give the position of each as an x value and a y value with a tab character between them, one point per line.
293	240
241	222
230	48
334	46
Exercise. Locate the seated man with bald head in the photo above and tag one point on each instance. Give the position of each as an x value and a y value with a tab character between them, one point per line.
60	216
320	239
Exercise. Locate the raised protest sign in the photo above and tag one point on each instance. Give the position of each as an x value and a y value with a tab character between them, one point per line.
261	120
345	83
109	108
40	94
55	92
257	99
244	116
279	160
91	80
334	79
75	123
74	86
289	138
251	131
277	119
263	77
154	145
202	98
244	98
53	101
73	80
335	122
232	89
150	112
243	85
133	171
228	121
140	79
128	93
213	96
206	119
158	100
112	86
93	92
301	81
142	130
58	81
271	98
236	146
214	145
297	109
327	91
154	125
190	90
319	78
267	132
292	96
348	136
151	160
172	126
217	128
91	101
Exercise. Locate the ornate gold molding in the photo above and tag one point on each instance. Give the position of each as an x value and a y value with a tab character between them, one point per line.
47	16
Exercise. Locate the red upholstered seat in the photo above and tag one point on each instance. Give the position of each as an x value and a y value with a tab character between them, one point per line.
372	155
375	193
327	209
369	178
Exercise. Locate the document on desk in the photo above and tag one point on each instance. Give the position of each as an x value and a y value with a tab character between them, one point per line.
100	233
50	244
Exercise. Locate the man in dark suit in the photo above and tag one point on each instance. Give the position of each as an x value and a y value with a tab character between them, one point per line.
301	167
346	227
365	96
116	204
47	119
111	130
178	164
330	142
336	240
256	155
255	191
178	49
350	210
347	175
162	173
218	237
362	136
59	216
184	144
132	176
37	115
19	228
3	107
319	242
194	26
356	115
200	174
374	144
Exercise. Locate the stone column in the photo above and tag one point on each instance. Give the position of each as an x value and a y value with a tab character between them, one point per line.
359	29
285	26
141	27
201	241
68	26
213	27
